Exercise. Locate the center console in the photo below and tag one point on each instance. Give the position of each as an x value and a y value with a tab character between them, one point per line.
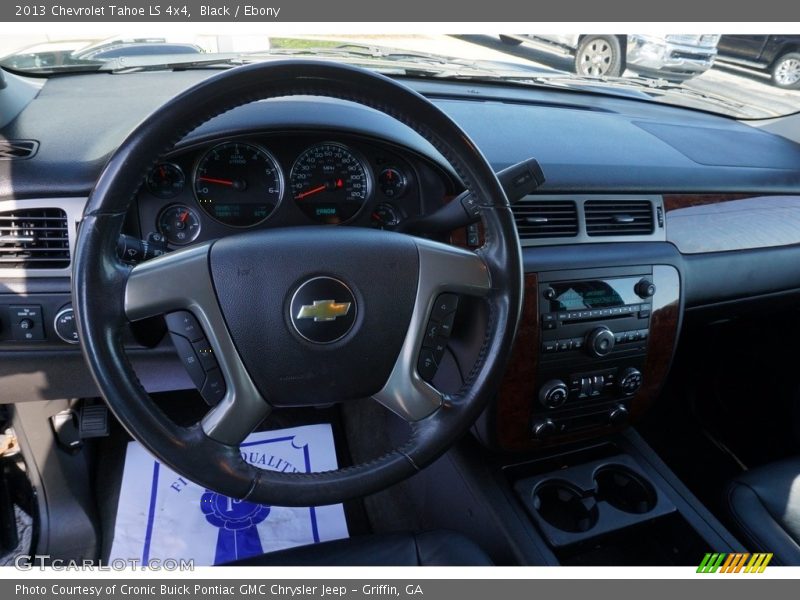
594	333
593	349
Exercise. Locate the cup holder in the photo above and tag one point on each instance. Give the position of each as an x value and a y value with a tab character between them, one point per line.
564	507
625	490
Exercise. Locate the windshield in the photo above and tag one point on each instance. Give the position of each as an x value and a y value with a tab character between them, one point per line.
742	76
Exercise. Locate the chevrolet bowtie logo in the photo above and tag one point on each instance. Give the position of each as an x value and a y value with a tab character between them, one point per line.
323	310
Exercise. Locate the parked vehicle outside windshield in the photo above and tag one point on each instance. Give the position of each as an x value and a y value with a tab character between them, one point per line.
746	77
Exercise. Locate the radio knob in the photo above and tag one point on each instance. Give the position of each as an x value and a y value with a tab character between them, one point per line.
600	341
630	380
618	415
645	288
543	428
553	393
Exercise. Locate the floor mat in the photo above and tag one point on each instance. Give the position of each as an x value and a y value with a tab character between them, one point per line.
161	515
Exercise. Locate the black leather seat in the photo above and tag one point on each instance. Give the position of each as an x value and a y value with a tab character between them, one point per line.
765	504
432	548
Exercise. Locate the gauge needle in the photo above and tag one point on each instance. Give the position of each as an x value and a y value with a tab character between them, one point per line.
311	192
214	180
184	216
339	183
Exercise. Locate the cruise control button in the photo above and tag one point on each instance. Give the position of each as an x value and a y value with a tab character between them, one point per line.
205	354
183	323
426	365
214	389
190	360
444	305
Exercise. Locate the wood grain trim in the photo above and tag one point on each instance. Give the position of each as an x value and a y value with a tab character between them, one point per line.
515	408
676	201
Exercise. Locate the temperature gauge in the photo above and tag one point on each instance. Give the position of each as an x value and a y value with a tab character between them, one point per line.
385	216
165	181
179	224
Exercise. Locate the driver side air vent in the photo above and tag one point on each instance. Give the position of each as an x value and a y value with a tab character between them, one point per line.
17	149
34	238
538	219
618	217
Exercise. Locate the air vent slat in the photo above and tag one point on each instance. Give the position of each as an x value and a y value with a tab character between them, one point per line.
546	219
618	217
34	238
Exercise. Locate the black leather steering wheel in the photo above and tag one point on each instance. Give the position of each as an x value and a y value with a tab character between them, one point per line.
241	289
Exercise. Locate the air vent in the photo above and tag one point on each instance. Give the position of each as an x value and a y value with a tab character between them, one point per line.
34	238
538	219
17	149
618	217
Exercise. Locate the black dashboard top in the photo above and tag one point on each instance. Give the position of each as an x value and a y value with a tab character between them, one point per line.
585	142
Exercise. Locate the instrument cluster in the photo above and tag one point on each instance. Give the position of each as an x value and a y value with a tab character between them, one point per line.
274	180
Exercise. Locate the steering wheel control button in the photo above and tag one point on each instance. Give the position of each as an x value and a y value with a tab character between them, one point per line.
190	360
184	324
446	304
205	354
65	326
323	310
214	388
26	322
427	365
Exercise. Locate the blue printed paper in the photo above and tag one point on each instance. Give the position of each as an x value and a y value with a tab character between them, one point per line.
162	516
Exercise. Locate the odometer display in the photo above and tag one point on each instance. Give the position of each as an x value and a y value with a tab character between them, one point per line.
330	183
238	184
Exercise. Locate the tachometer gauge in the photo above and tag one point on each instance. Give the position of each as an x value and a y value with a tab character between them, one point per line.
238	184
179	224
330	183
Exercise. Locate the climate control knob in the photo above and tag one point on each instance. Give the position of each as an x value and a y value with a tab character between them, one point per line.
553	393
600	342
543	428
618	415
630	380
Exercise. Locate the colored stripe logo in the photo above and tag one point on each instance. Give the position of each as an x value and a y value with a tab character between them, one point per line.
738	562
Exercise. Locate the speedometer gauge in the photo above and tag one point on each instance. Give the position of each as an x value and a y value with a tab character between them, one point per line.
330	183
238	184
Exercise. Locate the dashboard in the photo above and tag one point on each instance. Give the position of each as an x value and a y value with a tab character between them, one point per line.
675	211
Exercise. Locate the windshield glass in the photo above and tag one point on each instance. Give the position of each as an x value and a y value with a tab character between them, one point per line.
742	76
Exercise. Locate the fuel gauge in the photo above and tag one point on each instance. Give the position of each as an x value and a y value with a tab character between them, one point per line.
393	182
179	224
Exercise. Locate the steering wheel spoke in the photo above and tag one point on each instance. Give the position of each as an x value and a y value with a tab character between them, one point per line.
182	281
445	272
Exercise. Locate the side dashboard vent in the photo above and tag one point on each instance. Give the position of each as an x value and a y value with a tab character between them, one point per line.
540	219
618	217
18	149
34	238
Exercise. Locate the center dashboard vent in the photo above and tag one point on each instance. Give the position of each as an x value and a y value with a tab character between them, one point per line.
539	219
34	238
618	217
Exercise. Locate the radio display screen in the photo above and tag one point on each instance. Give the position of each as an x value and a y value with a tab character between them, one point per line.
595	293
